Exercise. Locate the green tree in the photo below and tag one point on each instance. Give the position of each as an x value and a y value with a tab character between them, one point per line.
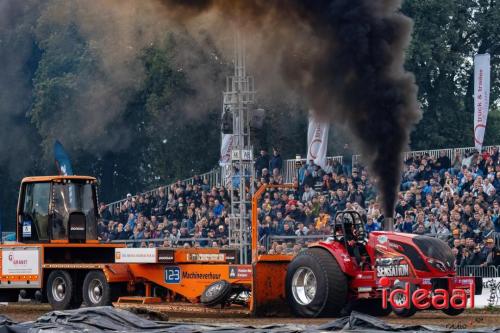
447	34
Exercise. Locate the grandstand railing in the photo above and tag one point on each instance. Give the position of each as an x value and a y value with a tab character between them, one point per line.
477	270
178	242
215	176
290	169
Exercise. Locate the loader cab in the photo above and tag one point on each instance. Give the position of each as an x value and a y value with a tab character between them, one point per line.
57	209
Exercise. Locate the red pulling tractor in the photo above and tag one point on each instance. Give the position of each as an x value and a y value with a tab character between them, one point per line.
351	270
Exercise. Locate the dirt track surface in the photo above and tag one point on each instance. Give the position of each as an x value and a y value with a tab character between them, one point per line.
26	312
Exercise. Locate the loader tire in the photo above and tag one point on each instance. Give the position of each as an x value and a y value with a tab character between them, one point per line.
96	289
62	293
315	284
216	293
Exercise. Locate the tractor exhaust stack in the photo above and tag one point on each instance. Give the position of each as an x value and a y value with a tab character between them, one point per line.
389	224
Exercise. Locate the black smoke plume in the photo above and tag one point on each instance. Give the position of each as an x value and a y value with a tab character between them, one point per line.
345	57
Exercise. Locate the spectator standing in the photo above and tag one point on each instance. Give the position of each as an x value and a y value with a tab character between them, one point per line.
301	172
262	162
104	212
457	163
443	163
493	258
276	161
337	167
347	160
329	167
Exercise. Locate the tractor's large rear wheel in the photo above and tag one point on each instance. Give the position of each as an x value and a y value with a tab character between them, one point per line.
315	284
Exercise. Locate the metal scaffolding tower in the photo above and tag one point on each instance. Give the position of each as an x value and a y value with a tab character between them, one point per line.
239	101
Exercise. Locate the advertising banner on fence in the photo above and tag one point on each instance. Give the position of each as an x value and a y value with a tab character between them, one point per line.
317	141
135	255
481	97
20	261
490	293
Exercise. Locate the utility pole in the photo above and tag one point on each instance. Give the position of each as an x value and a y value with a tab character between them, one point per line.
239	100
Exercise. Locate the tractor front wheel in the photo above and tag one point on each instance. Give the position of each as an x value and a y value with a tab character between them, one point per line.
315	284
401	299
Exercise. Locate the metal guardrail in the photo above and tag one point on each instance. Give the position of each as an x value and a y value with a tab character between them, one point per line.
267	241
178	242
482	271
290	170
214	179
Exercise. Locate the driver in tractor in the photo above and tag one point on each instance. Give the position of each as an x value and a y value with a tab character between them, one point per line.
354	238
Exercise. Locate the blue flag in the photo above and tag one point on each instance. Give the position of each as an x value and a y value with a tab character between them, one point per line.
63	163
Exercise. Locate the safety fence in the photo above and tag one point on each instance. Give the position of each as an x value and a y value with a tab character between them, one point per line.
290	166
478	270
276	244
175	242
213	178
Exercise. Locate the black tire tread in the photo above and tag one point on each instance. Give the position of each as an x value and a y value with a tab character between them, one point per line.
107	292
68	303
405	313
218	299
337	282
336	293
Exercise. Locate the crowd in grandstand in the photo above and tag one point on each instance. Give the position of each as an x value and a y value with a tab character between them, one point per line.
455	200
181	215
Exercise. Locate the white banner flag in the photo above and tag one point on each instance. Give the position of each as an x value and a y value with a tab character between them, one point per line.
481	96
317	142
225	149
